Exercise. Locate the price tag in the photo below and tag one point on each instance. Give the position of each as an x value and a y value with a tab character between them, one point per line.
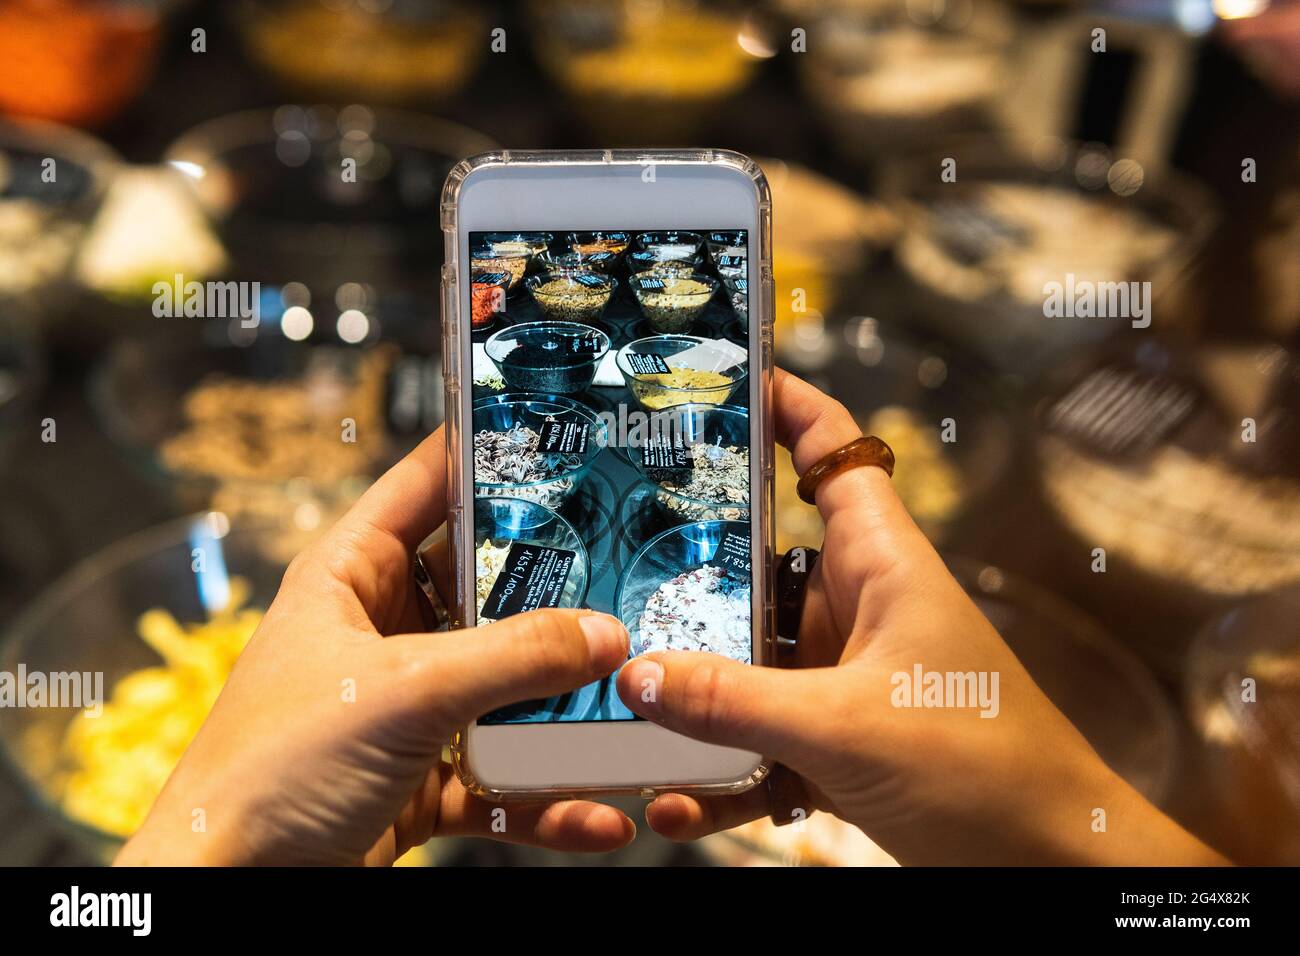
731	263
733	553
491	278
584	345
532	577
650	282
598	257
563	438
666	452
590	281
646	363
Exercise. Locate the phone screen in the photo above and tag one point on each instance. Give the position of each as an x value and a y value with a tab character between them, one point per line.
611	439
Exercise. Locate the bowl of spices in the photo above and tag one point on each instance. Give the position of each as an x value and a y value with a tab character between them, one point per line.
688	589
487	298
737	287
483	261
699	463
517	243
525	557
578	295
644	261
662	371
595	243
667	250
673	302
572	260
551	357
726	242
534	447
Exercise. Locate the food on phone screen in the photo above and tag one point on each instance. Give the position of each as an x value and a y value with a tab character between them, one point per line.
577	296
672	303
554	357
704	609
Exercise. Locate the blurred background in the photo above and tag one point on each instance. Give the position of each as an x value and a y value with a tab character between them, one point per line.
1124	502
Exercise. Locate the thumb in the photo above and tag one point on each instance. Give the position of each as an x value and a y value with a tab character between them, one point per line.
777	713
522	657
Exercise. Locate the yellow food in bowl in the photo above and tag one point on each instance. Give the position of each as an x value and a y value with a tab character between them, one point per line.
116	763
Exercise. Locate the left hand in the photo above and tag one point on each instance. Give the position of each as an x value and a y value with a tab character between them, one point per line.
325	746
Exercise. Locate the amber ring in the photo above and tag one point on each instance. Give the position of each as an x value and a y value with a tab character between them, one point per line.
868	451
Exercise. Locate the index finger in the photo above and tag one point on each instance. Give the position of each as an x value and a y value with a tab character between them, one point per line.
812	425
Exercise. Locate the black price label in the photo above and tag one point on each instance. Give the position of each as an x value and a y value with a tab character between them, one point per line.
491	278
733	553
647	363
650	282
666	452
741	285
598	257
595	282
563	438
532	577
731	262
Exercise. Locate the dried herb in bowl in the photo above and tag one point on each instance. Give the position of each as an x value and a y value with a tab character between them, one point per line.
510	458
719	476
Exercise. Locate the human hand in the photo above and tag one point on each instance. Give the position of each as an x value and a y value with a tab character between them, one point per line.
325	745
941	785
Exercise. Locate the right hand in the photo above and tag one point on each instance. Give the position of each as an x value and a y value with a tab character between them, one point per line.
938	785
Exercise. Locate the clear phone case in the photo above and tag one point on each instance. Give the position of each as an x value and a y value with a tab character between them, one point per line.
761	317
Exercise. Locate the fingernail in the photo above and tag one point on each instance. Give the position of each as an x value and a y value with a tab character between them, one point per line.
644	679
606	640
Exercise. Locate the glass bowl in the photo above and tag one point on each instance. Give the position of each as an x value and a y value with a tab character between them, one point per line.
1192	522
91	620
709	431
483	261
710	375
201	413
594	243
635	73
1250	742
81	63
981	253
488	291
726	242
270	181
886	81
677	578
578	295
516	243
552	357
519	418
737	293
42	224
410	52
672	303
670	243
500	521
645	261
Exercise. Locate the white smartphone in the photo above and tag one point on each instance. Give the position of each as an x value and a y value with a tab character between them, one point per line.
607	337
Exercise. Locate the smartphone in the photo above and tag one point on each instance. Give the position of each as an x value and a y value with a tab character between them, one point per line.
607	345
